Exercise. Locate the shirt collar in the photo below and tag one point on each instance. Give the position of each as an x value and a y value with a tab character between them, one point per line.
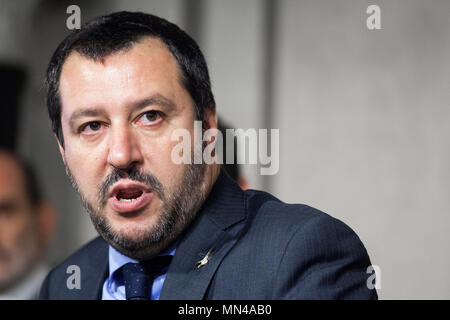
117	259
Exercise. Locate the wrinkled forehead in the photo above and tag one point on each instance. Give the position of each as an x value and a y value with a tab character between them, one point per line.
146	66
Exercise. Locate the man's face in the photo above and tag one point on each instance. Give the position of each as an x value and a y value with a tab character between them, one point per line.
19	235
117	119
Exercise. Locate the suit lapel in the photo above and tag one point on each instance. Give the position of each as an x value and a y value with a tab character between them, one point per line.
93	269
97	280
97	272
216	227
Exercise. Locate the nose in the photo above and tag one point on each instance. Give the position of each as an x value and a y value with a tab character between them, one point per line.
124	148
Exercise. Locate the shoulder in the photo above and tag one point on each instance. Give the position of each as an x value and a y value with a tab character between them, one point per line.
313	255
262	207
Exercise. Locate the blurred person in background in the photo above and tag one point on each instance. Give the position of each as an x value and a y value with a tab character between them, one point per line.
26	226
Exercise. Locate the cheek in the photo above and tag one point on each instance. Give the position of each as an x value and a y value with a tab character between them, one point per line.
29	231
159	159
86	168
14	231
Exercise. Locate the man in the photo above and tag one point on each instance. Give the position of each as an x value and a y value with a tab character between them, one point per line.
26	226
118	90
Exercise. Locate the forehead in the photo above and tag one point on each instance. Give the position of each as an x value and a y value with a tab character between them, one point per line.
147	67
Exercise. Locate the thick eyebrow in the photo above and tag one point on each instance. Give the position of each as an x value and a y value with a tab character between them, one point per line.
84	113
156	99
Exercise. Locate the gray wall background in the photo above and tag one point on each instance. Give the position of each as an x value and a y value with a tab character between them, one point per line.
363	115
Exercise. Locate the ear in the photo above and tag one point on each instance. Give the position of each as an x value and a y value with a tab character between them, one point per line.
210	122
61	149
242	182
209	118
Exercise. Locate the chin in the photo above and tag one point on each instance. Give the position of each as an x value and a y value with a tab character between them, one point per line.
134	232
137	240
132	247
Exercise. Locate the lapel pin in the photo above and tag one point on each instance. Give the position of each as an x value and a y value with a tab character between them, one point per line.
203	262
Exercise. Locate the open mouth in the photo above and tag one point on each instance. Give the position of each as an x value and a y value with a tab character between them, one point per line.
129	197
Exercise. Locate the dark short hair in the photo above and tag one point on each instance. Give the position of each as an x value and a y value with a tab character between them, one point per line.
105	35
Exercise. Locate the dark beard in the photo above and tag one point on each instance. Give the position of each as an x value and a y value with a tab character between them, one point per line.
177	212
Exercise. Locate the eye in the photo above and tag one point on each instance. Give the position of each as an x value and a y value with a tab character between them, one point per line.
8	209
150	117
91	127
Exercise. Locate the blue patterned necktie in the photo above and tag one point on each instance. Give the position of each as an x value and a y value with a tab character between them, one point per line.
138	277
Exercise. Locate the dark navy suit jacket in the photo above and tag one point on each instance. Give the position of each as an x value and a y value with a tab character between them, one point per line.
263	249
